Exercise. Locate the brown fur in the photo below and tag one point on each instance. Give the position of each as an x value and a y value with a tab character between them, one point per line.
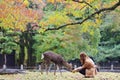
56	59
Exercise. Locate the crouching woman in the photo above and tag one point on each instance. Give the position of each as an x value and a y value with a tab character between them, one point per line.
88	68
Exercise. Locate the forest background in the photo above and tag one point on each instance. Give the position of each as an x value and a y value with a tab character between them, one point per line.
67	27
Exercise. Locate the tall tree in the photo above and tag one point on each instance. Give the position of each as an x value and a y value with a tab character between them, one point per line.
78	13
62	13
15	15
8	42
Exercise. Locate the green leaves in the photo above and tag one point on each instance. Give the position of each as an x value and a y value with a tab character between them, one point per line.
54	19
49	7
110	37
3	39
7	41
7	47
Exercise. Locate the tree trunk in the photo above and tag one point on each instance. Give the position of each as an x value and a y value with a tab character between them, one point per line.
29	50
22	51
29	44
5	61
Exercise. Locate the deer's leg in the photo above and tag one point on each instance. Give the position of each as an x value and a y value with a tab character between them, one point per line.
50	67
60	67
55	69
42	67
47	66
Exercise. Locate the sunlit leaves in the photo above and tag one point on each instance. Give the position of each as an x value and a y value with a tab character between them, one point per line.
54	1
86	36
15	15
55	18
74	5
26	3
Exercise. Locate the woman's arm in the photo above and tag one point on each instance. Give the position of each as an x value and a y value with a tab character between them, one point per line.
77	69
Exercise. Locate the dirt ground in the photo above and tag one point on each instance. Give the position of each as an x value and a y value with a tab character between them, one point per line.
65	76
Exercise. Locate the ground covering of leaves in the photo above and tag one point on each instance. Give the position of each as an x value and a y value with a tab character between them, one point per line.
65	76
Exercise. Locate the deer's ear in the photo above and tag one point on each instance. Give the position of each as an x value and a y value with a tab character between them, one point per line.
42	56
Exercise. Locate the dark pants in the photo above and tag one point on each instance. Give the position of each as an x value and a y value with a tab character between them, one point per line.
82	71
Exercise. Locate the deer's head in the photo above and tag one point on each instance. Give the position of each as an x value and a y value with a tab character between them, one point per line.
68	66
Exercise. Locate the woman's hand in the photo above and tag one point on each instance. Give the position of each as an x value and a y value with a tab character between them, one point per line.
76	69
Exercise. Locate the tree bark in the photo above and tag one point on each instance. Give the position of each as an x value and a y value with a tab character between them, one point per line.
22	50
29	44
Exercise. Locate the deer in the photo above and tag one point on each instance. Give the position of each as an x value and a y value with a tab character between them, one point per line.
49	57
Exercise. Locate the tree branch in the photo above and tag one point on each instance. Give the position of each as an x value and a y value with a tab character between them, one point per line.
93	14
85	3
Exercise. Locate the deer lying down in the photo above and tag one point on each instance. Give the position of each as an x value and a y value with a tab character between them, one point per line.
57	59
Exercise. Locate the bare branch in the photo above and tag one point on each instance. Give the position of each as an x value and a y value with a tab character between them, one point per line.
85	3
93	14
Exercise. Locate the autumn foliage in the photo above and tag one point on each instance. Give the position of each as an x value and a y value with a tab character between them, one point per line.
16	14
78	23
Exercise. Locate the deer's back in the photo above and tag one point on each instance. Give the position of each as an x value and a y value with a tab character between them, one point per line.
51	56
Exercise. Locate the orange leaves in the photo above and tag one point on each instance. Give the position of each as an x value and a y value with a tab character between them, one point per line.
15	15
2	6
26	12
2	12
